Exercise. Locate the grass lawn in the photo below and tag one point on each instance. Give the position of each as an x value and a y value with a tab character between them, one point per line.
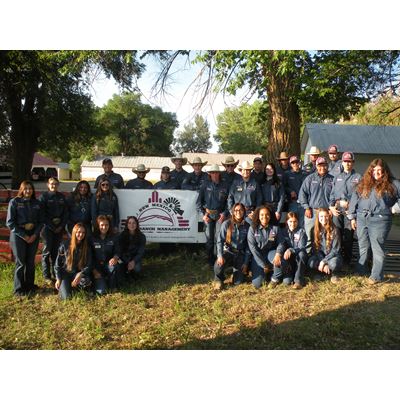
175	307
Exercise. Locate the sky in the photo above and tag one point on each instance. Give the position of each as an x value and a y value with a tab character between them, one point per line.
182	97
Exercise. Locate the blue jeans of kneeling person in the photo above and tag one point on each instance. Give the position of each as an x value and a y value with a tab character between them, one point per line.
372	232
334	263
292	269
65	291
234	260
257	271
111	278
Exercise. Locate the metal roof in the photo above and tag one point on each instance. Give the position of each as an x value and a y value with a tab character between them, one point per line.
159	162
367	139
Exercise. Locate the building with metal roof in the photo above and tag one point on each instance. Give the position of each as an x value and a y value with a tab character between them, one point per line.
365	141
123	164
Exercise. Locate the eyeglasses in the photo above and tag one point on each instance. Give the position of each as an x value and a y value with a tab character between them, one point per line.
230	166
105	185
348	161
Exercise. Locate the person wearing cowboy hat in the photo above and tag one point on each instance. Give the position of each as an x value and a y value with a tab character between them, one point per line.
195	179
116	180
344	185
165	180
179	174
229	175
314	153
335	164
292	184
314	194
283	165
140	182
258	171
211	202
245	190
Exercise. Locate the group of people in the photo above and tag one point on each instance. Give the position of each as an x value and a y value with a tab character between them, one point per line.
276	220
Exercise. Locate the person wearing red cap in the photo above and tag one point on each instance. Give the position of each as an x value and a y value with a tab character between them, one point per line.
315	193
292	183
343	187
335	164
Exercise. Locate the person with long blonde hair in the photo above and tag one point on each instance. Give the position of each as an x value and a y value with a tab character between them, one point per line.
326	246
73	265
370	212
25	220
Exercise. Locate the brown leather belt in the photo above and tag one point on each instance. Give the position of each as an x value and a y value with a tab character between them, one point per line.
212	212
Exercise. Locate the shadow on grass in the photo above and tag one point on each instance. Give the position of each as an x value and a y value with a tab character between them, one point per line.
364	325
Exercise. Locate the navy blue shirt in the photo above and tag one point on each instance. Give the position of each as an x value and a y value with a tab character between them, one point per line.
105	206
274	195
23	211
213	196
343	186
324	253
261	241
116	180
179	177
194	181
171	184
259	177
79	210
247	193
335	167
295	241
292	182
133	248
104	250
229	177
315	191
138	183
55	209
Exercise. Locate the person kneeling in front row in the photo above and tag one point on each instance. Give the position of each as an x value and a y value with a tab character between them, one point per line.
73	265
326	246
232	248
291	255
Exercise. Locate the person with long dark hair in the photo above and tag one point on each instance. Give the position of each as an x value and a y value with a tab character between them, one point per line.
232	248
263	240
273	193
74	263
291	254
105	202
25	220
132	244
79	204
55	209
370	212
326	246
107	268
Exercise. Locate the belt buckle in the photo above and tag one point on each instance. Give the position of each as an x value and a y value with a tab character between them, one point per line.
56	221
29	226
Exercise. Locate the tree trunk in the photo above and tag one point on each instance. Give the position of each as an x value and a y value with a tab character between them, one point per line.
285	116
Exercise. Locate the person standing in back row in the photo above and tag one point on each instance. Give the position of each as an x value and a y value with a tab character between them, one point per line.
25	220
115	179
335	164
140	182
195	179
179	174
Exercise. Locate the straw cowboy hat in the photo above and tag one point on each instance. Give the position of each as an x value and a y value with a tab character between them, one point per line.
140	168
229	160
314	151
197	160
213	168
179	157
283	156
245	165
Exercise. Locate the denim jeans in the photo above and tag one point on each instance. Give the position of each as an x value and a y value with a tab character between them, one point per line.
372	232
24	254
212	231
51	243
234	260
347	234
111	278
292	269
334	263
257	271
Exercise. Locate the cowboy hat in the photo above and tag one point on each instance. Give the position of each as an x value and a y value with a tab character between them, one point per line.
213	168
140	168
314	151
197	160
230	160
283	156
245	165
179	157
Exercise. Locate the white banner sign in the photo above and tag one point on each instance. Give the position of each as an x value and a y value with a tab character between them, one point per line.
165	216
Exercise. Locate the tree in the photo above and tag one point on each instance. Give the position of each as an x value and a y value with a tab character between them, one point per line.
299	86
194	138
384	111
45	92
242	129
133	128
